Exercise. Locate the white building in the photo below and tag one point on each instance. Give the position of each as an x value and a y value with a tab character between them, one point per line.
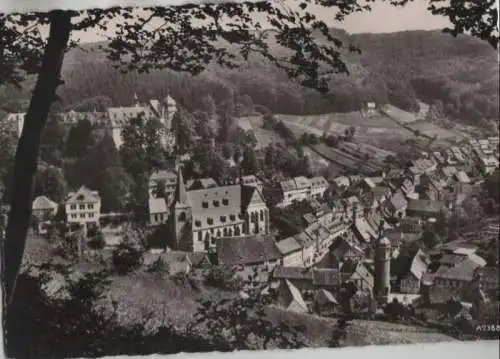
302	188
83	207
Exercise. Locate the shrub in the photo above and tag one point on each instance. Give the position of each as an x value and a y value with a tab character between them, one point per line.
126	257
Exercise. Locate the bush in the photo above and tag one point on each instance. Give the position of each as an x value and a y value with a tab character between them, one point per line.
126	258
97	241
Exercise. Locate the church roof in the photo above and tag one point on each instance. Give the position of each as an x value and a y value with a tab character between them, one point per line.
246	250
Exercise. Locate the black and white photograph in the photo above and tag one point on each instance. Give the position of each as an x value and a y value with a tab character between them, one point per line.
227	176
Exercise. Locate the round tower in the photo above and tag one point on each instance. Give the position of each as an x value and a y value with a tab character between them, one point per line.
382	283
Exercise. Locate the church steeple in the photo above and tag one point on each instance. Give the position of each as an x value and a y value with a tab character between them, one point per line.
180	192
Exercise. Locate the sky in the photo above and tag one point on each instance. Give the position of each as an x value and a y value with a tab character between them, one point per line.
383	17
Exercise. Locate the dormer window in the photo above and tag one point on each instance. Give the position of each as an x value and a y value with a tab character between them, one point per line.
204	204
216	203
80	197
225	202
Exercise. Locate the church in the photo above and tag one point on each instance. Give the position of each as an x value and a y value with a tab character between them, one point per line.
198	217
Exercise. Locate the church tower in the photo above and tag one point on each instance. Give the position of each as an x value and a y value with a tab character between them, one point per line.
181	216
382	284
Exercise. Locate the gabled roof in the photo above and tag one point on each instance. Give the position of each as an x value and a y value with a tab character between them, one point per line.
170	177
319	181
83	195
323	297
157	205
246	250
419	265
295	293
42	202
463	271
398	200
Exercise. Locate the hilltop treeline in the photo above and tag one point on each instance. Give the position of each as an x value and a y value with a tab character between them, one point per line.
460	74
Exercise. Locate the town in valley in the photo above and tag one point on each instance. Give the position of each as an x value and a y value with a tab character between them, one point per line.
374	225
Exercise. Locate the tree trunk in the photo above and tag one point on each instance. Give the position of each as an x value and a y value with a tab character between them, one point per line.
28	147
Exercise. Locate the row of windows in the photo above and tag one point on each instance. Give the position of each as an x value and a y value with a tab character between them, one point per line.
226	232
158	217
223	219
82	215
216	203
82	206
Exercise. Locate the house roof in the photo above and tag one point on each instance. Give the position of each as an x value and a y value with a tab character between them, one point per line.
281	272
425	205
364	229
83	195
419	264
324	296
463	271
157	205
288	245
43	202
119	116
342	181
462	177
449	171
295	293
246	250
398	200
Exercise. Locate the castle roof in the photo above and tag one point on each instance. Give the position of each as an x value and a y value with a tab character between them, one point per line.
83	195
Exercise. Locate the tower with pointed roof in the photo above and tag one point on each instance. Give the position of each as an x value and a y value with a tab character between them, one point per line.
181	216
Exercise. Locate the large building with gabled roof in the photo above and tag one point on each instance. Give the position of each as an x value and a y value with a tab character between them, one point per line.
198	217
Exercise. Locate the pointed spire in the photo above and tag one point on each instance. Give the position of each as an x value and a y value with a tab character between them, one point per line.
180	193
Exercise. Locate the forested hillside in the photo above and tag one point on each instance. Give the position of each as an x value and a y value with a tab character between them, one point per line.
457	75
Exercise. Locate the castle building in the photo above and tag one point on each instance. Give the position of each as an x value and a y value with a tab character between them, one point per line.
382	284
83	207
198	217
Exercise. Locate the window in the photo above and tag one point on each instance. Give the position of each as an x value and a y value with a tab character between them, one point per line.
200	236
90	206
261	215
225	232
73	206
73	215
197	223
210	221
230	232
204	204
216	203
82	215
182	217
211	231
236	231
223	219
91	215
232	217
82	206
218	233
241	216
225	202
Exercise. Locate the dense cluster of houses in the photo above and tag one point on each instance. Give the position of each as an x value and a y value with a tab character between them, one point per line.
350	239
